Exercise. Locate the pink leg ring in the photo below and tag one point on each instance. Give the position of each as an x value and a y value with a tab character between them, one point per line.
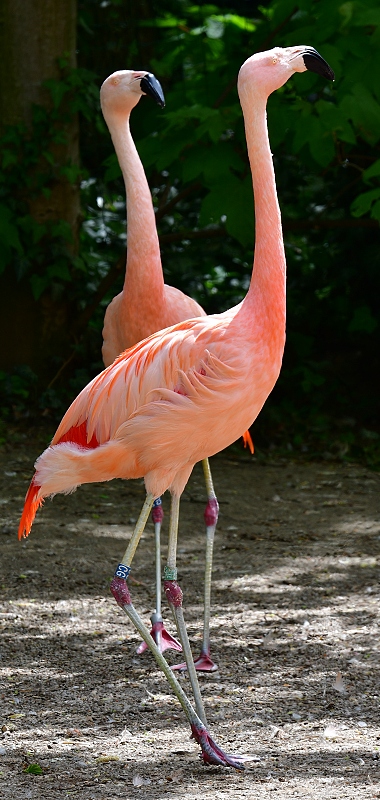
211	512
173	593
120	591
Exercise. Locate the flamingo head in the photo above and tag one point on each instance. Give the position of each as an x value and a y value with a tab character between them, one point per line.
269	70
122	90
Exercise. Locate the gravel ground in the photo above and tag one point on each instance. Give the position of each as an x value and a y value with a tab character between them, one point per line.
294	631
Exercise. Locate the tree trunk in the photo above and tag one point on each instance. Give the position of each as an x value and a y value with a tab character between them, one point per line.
34	34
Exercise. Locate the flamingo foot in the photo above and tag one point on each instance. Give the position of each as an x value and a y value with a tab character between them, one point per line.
164	640
203	664
212	753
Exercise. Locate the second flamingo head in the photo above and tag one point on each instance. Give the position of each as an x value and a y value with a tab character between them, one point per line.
122	90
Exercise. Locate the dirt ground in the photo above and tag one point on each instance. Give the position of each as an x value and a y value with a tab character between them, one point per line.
294	631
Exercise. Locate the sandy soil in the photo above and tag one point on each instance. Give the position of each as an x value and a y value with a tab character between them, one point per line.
294	631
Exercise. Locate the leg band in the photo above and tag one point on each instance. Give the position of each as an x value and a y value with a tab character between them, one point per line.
170	573
157	511
122	571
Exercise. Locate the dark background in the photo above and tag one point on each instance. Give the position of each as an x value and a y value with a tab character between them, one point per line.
62	204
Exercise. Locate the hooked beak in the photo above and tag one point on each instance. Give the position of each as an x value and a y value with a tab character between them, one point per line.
151	86
315	63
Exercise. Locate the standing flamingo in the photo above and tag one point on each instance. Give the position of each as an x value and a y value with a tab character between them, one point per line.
146	305
188	391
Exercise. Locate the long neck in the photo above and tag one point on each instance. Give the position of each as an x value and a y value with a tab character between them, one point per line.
267	288
144	270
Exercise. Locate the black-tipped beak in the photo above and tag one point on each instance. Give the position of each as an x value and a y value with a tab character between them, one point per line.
151	86
315	63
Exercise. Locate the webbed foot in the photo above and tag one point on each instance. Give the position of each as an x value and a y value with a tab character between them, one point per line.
212	753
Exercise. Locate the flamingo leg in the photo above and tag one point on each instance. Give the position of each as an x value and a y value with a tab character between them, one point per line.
174	596
125	564
211	752
204	662
164	640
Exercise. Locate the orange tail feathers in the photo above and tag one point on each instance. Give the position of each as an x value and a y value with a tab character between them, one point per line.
248	441
31	507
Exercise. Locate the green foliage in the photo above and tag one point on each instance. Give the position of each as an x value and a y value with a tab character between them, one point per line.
33	769
31	166
9	237
325	139
17	392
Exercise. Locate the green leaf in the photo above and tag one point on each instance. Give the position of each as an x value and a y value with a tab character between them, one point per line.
112	168
242	23
62	230
333	120
8	230
193	163
322	148
310	131
347	10
372	172
233	199
49	157
9	159
218	160
366	16
171	147
33	769
59	270
57	89
167	21
38	283
362	108
214	125
279	121
375	210
9	237
363	320
72	172
363	202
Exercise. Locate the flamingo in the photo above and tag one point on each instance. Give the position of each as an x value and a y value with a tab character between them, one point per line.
146	305
188	391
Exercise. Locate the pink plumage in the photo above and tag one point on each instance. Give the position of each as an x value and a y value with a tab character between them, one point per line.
146	304
174	399
188	391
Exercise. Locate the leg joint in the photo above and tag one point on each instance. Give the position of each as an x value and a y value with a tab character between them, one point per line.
120	591
173	593
157	511
211	512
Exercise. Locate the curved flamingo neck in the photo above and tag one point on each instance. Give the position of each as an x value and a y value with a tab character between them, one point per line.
143	270
267	288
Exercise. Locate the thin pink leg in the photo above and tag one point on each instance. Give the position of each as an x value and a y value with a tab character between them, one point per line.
164	640
204	662
211	752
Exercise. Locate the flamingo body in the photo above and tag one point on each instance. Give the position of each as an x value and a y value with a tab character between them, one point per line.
146	304
186	392
126	323
174	399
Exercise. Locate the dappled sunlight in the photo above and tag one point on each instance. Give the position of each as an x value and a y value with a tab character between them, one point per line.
294	630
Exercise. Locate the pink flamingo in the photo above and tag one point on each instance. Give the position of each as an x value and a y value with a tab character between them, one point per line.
183	394
146	305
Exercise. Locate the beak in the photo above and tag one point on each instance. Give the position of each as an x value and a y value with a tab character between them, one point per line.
315	63
151	86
